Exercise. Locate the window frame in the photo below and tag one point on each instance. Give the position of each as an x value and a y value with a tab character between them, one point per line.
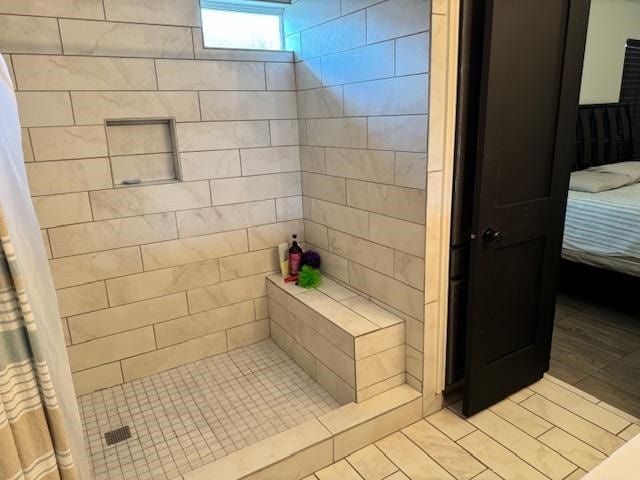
245	6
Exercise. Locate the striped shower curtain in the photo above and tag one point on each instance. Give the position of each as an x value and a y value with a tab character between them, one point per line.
33	444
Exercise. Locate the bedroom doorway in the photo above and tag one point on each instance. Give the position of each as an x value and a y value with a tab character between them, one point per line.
596	338
518	308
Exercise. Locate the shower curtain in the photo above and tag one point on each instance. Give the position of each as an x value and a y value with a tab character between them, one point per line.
40	429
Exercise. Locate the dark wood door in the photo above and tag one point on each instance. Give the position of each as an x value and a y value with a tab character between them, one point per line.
532	52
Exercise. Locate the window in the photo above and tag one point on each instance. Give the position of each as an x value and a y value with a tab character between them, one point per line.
241	24
630	90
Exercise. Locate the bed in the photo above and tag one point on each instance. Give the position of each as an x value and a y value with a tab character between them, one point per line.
603	229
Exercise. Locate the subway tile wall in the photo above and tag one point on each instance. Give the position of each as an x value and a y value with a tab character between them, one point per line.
153	276
362	78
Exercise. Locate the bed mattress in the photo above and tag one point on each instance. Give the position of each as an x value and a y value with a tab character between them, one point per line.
604	224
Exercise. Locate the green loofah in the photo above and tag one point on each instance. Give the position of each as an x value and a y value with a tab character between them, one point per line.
309	277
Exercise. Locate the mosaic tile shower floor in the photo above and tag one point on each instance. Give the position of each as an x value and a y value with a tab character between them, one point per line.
198	413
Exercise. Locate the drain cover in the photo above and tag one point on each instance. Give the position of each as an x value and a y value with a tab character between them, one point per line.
118	435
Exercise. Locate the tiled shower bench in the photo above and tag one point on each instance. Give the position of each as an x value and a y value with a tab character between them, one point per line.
349	345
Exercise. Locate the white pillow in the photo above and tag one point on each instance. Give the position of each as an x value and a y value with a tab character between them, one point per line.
630	169
594	182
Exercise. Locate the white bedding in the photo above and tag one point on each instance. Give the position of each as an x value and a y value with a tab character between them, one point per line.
605	223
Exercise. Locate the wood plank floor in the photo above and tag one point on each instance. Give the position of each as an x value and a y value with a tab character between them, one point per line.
597	349
550	430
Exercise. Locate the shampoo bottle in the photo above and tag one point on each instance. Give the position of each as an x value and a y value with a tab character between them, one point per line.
295	256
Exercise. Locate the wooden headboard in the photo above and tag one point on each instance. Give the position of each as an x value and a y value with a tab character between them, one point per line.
604	135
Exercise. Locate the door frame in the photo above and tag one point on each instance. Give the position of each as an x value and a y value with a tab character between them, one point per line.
443	100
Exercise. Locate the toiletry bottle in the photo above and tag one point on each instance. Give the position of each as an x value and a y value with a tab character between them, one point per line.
295	256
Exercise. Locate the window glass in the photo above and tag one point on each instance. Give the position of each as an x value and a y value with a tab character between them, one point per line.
239	29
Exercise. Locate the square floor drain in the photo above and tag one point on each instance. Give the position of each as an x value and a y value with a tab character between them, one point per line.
118	435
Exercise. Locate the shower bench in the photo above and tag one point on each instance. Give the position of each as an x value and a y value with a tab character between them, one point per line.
349	345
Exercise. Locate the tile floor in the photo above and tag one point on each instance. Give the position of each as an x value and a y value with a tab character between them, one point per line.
195	414
596	347
548	431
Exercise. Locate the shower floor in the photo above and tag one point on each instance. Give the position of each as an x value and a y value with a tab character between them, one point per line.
198	413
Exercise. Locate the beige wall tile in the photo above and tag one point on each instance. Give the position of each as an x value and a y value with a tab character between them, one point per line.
94	107
296	351
284	132
411	170
260	161
398	234
341	34
376	368
412	54
206	75
337	132
312	159
59	8
237	54
127	317
376	428
62	143
108	349
44	109
262	187
324	187
145	168
54	210
26	146
320	102
82	299
280	76
97	378
80	269
372	165
406	299
224	218
247	264
261	308
360	64
362	251
379	341
222	135
19	34
195	249
145	285
341	218
138	139
307	14
46	178
398	202
174	356
227	293
105	235
43	72
372	312
248	105
47	244
309	74
206	165
205	323
130	201
81	37
269	236
397	18
409	269
289	208
393	96
316	234
406	133
248	334
171	12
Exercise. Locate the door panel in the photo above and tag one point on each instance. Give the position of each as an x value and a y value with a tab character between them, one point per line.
529	89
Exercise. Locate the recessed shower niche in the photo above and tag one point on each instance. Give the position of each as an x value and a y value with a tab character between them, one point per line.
143	151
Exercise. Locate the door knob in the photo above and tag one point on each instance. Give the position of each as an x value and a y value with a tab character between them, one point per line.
491	235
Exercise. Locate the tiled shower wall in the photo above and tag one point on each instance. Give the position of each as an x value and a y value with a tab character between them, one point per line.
362	77
154	276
